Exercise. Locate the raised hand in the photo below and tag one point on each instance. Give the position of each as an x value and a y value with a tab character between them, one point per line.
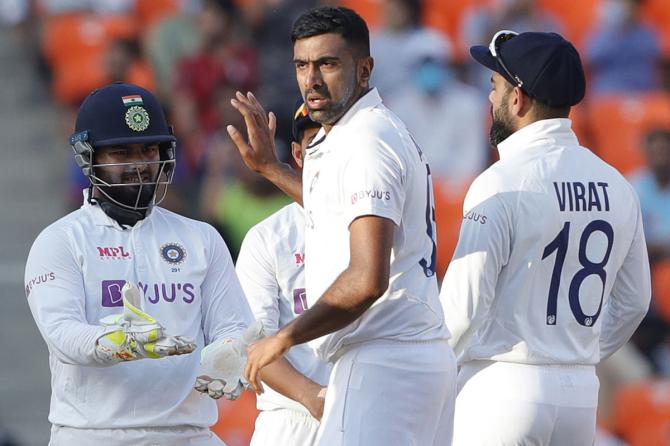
258	152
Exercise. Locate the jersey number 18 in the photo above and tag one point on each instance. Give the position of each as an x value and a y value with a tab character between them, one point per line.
589	268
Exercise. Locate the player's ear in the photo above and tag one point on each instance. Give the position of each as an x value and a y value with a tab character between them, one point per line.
296	151
365	65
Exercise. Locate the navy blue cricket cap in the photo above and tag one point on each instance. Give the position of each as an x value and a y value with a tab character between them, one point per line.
121	113
548	65
301	120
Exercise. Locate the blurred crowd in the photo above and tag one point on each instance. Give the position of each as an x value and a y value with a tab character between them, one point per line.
196	53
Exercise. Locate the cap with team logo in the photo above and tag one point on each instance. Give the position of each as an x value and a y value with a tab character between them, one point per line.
544	65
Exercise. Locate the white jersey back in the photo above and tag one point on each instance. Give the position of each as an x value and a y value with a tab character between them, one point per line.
551	265
368	164
270	267
74	275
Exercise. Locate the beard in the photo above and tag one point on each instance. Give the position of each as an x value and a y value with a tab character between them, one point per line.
335	110
501	125
131	196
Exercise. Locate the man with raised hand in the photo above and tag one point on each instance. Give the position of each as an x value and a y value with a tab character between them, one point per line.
370	250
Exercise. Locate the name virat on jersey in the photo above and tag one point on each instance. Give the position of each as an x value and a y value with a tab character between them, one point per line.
576	196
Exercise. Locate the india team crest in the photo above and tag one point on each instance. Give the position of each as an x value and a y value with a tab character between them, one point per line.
173	253
137	118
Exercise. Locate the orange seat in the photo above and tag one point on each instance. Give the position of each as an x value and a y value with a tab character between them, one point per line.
448	218
370	10
577	20
618	124
74	46
642	413
660	279
446	16
657	13
235	425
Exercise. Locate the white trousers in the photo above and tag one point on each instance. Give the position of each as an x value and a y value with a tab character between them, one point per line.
167	436
284	427
507	404
385	393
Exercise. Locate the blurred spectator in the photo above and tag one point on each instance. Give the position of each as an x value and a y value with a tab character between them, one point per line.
486	17
623	53
653	186
270	22
168	41
223	58
233	204
96	6
124	62
446	117
398	45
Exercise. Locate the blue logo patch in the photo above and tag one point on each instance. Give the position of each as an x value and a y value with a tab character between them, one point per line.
173	253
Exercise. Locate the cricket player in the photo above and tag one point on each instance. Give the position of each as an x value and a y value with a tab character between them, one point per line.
370	247
270	267
550	274
123	291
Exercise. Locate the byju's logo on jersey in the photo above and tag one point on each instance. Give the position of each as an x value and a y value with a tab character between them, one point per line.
111	293
173	253
370	194
113	252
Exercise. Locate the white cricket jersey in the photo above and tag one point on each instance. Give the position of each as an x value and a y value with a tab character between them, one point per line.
270	267
368	164
74	275
551	265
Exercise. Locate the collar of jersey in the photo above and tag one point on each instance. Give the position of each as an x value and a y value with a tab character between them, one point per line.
368	100
102	219
557	131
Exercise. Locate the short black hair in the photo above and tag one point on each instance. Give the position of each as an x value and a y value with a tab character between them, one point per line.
339	20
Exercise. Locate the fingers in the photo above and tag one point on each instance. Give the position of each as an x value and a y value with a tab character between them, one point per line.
238	139
272	123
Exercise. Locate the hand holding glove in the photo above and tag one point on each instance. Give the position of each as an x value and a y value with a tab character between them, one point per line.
222	364
138	335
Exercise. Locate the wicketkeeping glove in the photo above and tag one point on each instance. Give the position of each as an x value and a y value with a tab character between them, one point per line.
222	365
138	335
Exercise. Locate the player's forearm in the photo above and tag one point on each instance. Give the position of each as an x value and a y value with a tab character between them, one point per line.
286	179
343	302
286	380
74	343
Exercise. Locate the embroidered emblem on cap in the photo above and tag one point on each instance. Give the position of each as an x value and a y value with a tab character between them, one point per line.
173	253
137	118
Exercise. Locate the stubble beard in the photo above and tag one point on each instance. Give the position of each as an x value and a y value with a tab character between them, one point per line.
501	126
335	110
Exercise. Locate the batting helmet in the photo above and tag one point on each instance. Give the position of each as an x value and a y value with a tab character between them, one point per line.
121	114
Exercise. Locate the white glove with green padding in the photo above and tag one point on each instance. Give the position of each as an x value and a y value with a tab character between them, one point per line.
222	364
138	335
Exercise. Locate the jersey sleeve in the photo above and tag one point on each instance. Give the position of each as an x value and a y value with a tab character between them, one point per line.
630	296
54	288
225	311
256	271
483	249
373	182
